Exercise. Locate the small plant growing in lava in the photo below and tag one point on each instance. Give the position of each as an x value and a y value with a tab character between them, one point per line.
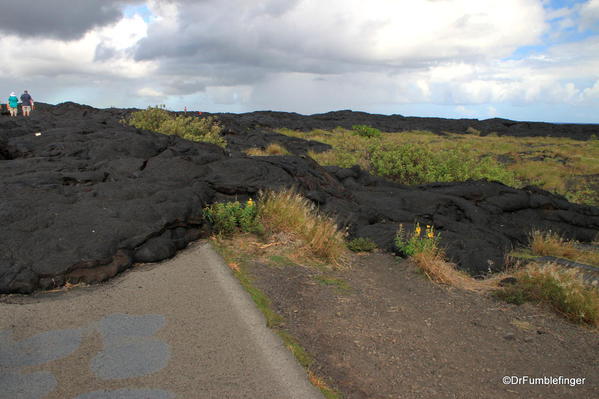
231	217
418	242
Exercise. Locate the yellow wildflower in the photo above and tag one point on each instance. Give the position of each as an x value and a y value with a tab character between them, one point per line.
418	230
250	202
429	231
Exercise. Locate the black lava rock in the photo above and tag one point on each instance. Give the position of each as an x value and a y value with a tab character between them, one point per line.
82	196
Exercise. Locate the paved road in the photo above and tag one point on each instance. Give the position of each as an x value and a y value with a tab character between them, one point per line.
179	329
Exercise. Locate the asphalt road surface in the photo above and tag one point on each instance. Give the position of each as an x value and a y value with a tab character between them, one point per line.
181	329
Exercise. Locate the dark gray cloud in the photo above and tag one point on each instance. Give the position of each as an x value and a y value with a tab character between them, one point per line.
58	19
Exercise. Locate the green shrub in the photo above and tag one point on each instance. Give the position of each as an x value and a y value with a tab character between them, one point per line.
417	242
415	164
407	164
230	217
366	131
361	244
159	120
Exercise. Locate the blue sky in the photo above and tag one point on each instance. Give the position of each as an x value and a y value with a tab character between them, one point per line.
518	59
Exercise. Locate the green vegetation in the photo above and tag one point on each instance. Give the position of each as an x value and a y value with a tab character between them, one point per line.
562	288
230	217
423	249
411	164
279	212
366	131
560	165
417	242
361	244
158	119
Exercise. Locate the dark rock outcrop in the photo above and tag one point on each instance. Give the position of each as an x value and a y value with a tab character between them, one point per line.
86	197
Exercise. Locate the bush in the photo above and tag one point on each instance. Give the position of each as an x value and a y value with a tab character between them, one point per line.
417	242
408	164
361	244
231	217
414	164
159	120
366	131
562	288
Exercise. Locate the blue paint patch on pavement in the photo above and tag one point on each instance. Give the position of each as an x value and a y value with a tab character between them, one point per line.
26	386
129	394
117	325
130	359
39	349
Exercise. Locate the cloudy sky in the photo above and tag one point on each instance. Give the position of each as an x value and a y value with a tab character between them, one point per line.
518	59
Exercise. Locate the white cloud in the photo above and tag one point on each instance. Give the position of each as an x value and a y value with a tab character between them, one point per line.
589	13
313	56
53	58
149	92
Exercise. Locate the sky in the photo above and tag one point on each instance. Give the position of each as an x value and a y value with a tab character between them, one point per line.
534	60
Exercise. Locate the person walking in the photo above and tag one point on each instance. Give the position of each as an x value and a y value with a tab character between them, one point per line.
13	103
26	103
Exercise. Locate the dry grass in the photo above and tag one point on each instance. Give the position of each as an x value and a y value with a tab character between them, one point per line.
271	149
562	288
432	262
552	244
287	211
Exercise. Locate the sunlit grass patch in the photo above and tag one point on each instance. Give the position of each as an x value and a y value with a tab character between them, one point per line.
270	150
158	119
552	244
560	165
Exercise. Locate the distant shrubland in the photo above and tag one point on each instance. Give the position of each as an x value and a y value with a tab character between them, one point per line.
559	165
158	119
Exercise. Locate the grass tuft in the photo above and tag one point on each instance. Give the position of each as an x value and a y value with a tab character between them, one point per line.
562	288
432	262
552	244
287	211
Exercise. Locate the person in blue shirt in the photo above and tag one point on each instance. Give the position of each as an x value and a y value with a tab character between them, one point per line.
13	103
26	103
